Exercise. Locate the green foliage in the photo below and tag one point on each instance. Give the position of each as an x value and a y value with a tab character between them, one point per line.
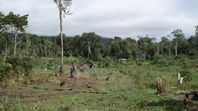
5	69
145	48
49	63
21	65
186	63
162	60
183	61
186	73
9	106
15	21
141	62
105	62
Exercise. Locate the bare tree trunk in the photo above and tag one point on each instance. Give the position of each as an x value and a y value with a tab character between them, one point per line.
89	52
6	51
176	48
61	35
15	44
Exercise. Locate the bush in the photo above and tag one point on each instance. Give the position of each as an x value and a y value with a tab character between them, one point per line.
186	63
106	62
21	65
5	69
50	64
161	60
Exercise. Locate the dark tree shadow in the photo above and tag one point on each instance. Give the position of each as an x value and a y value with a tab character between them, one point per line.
171	105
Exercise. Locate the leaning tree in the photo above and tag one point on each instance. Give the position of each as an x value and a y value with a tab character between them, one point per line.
64	9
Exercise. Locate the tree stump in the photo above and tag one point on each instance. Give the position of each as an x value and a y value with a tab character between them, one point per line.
74	71
159	86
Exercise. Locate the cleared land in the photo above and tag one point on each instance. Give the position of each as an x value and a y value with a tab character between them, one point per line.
130	87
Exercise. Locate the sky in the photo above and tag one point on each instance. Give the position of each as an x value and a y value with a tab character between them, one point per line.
109	18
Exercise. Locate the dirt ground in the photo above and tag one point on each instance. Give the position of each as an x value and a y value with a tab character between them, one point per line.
42	92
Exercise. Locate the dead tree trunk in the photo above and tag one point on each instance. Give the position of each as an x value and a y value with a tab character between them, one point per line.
15	44
176	48
89	52
61	35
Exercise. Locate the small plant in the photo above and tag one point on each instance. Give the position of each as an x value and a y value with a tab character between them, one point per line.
6	104
9	106
18	107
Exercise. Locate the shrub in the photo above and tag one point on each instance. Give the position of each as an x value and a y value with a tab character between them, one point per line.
161	60
21	65
106	62
186	63
5	69
50	64
183	61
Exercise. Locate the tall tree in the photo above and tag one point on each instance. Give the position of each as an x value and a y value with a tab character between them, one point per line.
179	38
64	9
146	47
164	46
115	47
131	48
15	24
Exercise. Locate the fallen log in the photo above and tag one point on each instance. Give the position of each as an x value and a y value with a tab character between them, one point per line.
188	96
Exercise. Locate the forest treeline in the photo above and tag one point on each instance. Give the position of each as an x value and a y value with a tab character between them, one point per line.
145	48
14	41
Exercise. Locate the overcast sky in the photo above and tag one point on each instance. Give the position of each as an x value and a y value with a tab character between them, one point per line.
108	18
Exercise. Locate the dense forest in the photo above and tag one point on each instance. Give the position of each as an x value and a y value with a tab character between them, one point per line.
145	48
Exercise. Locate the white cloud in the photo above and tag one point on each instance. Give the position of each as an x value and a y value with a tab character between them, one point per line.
127	18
